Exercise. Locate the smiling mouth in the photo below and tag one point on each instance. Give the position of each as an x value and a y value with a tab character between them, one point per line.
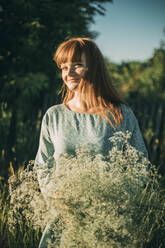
73	81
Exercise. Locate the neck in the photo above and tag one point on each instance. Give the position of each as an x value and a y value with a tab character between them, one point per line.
78	102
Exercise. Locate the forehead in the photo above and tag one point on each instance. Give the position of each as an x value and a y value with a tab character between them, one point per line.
82	59
69	53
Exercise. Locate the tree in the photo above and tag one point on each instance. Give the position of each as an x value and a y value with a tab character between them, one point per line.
30	31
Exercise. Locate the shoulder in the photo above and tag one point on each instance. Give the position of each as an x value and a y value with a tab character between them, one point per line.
127	112
54	109
129	119
53	113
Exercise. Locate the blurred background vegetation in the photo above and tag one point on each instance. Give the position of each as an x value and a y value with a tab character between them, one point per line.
30	32
142	84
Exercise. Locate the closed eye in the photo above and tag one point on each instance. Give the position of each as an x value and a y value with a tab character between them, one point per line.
64	68
73	66
79	64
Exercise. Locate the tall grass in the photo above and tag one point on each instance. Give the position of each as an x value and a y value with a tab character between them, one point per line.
117	201
20	235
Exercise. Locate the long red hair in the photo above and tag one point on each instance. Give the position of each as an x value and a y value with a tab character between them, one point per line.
98	90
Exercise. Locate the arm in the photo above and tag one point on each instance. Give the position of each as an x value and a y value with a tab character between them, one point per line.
44	161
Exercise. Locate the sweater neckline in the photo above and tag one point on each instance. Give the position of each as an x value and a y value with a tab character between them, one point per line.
79	113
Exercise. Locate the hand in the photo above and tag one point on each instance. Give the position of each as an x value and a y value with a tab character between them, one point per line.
57	198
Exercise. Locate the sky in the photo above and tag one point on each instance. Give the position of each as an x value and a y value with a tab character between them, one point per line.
130	29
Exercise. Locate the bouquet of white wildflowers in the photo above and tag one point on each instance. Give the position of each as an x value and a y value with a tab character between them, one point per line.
114	201
108	202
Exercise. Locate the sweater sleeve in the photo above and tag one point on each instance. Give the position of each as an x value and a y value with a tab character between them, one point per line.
44	161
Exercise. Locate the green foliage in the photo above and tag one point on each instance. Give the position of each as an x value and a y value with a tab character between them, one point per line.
30	30
141	78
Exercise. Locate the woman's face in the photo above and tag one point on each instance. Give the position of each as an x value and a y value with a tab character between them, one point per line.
73	72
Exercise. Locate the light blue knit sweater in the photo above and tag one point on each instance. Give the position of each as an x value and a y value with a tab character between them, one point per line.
63	130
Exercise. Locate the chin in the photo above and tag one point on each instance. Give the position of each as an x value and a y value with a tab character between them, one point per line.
73	87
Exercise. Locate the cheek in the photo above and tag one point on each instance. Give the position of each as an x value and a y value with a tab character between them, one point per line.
63	76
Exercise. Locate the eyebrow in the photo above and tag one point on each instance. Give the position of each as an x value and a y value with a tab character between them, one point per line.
72	63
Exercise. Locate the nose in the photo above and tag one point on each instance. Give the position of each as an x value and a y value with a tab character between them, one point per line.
71	70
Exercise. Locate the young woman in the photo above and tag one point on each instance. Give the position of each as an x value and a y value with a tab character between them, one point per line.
91	112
